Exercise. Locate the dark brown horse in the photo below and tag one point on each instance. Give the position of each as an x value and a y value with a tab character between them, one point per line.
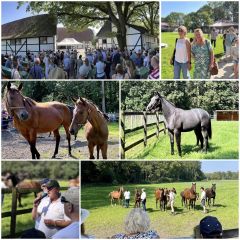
12	180
31	118
116	195
211	193
189	196
96	129
137	198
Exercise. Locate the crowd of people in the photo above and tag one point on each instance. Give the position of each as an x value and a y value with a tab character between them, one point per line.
56	214
96	64
202	51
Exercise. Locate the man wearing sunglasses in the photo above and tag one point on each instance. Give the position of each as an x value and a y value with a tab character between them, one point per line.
52	216
70	199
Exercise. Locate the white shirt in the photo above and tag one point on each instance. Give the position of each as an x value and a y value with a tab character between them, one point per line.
54	211
127	195
143	196
181	51
203	195
69	232
100	66
171	196
44	203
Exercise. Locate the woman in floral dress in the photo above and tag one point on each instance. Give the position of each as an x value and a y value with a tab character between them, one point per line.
202	52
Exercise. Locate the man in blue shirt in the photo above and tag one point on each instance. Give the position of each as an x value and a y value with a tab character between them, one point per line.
36	71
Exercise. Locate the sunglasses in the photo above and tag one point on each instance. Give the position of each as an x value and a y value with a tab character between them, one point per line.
63	200
180	30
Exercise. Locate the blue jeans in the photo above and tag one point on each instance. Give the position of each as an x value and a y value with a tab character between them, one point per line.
177	70
144	205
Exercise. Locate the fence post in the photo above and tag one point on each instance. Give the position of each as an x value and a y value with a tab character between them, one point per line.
157	116
13	213
145	128
122	135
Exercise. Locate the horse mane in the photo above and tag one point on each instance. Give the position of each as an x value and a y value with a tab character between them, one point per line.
168	102
30	101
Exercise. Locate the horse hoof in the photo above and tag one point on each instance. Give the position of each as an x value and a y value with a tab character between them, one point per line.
54	156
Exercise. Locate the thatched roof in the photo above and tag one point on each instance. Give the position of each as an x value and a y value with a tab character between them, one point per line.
35	26
84	36
106	29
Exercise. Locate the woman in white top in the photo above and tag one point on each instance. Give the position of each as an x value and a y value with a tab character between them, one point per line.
100	67
182	57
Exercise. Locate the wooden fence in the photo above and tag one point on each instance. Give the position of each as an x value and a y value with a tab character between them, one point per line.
144	126
14	211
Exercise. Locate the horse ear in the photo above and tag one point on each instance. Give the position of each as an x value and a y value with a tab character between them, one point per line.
83	101
8	85
74	99
20	86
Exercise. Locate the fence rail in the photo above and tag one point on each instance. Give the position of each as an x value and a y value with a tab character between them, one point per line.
144	126
14	212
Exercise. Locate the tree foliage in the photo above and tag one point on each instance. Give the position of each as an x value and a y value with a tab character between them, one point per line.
210	96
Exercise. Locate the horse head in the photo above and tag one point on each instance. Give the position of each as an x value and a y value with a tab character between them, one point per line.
15	102
155	103
193	188
214	187
80	114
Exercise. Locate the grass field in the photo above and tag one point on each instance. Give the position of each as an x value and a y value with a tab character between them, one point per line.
105	221
24	221
223	145
169	38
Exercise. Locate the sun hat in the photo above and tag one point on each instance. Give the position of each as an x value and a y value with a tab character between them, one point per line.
72	196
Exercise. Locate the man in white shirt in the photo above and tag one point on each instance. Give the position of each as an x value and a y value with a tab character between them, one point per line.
144	199
171	200
203	199
70	199
127	198
52	215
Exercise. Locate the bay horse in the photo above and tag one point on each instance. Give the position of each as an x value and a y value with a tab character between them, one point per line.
211	193
137	198
179	120
12	180
96	128
161	195
189	194
31	117
116	195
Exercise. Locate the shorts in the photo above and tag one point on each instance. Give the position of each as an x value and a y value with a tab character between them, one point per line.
228	50
235	61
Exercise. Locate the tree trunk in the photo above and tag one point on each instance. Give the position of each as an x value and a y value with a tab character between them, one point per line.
122	39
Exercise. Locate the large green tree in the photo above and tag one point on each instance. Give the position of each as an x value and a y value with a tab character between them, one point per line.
80	15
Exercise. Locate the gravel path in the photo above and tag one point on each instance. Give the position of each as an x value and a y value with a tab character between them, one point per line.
14	146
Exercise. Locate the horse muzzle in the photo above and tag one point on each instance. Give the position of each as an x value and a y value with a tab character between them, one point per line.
23	115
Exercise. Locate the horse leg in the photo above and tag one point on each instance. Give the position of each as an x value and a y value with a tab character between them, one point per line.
213	201
171	141
98	149
104	150
19	200
68	136
197	136
178	141
90	149
32	141
57	137
205	137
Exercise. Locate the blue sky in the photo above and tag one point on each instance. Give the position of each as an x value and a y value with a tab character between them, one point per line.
10	12
222	166
183	7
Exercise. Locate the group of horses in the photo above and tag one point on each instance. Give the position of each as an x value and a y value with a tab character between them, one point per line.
189	196
178	120
31	118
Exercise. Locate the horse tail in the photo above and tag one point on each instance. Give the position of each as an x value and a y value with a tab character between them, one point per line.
209	130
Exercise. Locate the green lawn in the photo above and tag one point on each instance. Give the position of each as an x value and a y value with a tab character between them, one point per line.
105	220
24	221
223	145
169	38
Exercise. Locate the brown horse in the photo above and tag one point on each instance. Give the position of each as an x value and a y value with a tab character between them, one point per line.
189	195
161	195
137	198
96	129
211	193
31	118
74	182
116	195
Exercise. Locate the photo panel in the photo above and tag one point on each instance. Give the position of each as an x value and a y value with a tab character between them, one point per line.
160	199
80	40
64	120
36	199
199	39
179	120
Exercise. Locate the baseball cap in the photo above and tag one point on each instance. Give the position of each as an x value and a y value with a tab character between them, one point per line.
210	227
44	181
72	196
52	184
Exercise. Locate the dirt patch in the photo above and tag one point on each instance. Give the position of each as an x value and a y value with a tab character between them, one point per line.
14	146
